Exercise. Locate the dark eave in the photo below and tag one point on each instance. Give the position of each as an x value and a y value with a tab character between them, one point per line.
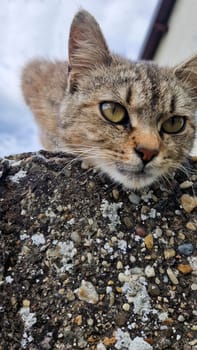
158	27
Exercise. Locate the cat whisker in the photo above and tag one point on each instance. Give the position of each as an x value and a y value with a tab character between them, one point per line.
188	172
79	147
89	155
165	178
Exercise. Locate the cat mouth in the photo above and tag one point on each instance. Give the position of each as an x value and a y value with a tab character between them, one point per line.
128	171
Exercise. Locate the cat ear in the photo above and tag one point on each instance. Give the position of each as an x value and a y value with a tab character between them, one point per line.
187	71
87	46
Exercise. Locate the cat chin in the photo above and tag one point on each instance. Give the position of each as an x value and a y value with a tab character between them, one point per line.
134	181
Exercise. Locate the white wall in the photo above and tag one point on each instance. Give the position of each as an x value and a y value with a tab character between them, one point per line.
180	41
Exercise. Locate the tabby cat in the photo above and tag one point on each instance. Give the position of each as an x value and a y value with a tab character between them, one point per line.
132	120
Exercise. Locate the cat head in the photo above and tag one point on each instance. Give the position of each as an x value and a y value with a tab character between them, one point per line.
133	120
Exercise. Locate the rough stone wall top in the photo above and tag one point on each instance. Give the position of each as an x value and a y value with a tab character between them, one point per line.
88	265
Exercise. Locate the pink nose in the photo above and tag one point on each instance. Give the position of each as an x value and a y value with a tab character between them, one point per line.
146	154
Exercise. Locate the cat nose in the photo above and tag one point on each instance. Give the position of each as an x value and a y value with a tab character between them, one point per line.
146	154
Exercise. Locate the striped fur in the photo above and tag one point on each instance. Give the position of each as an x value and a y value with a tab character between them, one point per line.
65	99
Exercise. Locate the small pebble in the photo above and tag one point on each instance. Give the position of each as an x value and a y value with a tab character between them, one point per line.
90	322
163	316
184	268
78	320
145	209
26	303
193	263
115	194
110	283
172	276
13	302
169	253
61	291
111	299
186	249
157	233
121	319
153	213
87	292
191	226
187	347
181	236
126	307
85	164
122	277
169	233
70	295
134	198
89	257
132	258
100	346
127	221
149	271
148	240
181	318
109	341
188	202
91	185
193	343
119	265
140	230
194	286
153	290
194	178
75	237
186	184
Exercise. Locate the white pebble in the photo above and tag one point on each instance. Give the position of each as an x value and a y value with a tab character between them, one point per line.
149	271
87	292
126	307
122	277
181	318
194	286
172	276
38	239
119	265
186	184
100	346
132	258
134	198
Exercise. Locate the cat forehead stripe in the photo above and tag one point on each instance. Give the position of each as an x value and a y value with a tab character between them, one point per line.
152	76
129	94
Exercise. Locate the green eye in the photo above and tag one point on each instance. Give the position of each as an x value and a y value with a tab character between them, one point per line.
173	125
114	112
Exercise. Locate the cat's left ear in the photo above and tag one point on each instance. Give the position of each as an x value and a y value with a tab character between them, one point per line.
187	71
87	46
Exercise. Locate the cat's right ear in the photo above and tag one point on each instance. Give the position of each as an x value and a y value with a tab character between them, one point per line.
87	47
187	71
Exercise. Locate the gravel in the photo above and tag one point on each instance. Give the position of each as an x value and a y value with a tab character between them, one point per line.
86	264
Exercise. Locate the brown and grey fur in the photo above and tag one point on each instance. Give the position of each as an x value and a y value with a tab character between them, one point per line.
65	99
